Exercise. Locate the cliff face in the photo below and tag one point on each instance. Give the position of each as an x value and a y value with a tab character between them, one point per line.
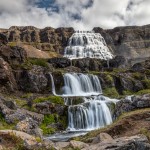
131	42
47	39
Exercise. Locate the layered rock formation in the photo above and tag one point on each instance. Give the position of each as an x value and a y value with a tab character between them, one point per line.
132	42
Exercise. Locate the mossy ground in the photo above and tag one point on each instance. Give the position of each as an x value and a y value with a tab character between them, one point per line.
4	125
53	99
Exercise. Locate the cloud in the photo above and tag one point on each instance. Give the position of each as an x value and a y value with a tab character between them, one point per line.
80	14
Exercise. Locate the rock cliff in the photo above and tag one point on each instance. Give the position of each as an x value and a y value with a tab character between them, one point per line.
132	42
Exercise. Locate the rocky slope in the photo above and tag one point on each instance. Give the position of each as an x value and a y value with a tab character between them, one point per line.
132	42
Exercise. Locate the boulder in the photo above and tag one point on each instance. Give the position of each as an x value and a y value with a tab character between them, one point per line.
78	145
21	114
88	64
29	141
29	126
49	108
102	137
35	80
13	55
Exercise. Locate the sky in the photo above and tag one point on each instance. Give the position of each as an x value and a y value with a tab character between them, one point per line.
79	14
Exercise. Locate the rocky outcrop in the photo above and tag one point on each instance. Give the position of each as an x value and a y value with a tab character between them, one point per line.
37	79
13	55
47	39
29	142
139	142
131	103
29	126
130	42
7	79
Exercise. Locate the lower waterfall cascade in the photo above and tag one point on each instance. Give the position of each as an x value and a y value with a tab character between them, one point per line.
94	110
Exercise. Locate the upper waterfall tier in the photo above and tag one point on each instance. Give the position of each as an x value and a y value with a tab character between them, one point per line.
87	44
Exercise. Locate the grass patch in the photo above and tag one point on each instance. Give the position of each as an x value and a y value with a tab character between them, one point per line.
4	125
39	62
146	83
145	91
34	61
145	132
111	92
14	142
53	99
48	119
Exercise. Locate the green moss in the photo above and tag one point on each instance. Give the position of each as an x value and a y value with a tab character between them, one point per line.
34	61
48	119
4	125
12	44
146	83
146	132
138	76
53	99
39	62
127	93
20	102
146	91
27	95
111	92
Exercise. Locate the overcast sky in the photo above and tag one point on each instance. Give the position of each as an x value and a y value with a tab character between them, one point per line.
80	14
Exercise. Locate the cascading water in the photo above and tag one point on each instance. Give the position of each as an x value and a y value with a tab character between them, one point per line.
81	85
87	44
93	110
92	114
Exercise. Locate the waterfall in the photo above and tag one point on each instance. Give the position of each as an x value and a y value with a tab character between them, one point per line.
81	84
53	84
92	114
87	44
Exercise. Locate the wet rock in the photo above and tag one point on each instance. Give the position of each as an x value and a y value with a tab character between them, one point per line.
87	64
60	62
